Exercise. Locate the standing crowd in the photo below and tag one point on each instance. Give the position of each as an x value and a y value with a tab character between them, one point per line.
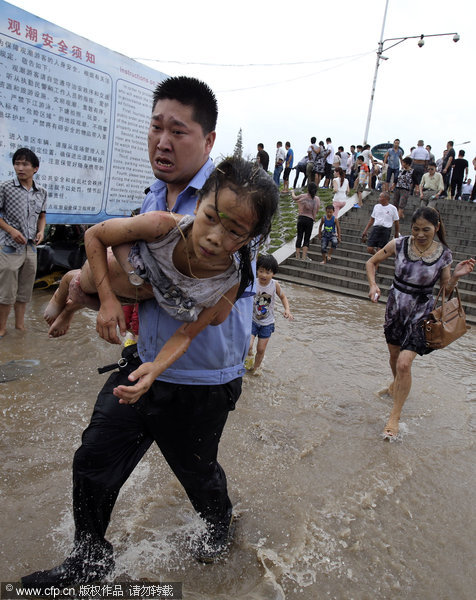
446	177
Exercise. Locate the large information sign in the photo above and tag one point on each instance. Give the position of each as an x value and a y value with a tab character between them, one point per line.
83	109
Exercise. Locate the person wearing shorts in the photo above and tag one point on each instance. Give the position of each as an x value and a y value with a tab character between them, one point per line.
262	324
329	234
384	216
22	227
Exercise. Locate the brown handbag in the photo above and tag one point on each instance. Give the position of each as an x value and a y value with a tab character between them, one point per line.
445	323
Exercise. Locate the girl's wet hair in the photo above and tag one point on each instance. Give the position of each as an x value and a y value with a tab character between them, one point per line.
432	216
254	186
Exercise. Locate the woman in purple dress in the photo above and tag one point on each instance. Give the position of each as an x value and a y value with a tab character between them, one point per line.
421	260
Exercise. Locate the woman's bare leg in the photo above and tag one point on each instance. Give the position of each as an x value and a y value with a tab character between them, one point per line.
402	384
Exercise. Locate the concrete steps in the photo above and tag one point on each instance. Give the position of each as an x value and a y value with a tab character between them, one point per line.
346	274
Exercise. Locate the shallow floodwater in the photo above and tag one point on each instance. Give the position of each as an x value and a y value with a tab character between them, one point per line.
327	509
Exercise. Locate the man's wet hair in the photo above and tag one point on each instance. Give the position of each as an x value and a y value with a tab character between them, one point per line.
27	155
268	262
190	92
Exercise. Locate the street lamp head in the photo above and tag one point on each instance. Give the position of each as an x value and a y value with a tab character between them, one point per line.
421	41
456	37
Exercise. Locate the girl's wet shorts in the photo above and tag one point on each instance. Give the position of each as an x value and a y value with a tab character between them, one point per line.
262	331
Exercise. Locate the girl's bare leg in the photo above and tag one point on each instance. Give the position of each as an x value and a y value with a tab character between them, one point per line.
82	292
249	360
260	350
80	295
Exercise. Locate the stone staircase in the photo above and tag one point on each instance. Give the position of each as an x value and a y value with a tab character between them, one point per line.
345	274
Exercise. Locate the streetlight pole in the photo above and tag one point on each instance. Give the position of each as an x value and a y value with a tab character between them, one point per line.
381	50
374	83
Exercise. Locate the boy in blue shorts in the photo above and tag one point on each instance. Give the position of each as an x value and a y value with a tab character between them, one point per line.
262	324
331	234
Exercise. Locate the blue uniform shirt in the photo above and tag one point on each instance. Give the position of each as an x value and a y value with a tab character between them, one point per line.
217	354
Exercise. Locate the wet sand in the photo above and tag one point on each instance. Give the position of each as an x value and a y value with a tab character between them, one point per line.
327	509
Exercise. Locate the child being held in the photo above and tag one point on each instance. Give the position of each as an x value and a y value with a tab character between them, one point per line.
329	233
194	266
262	325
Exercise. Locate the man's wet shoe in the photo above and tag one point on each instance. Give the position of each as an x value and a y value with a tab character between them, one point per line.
215	542
84	565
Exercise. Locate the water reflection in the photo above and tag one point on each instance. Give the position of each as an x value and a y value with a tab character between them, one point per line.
327	510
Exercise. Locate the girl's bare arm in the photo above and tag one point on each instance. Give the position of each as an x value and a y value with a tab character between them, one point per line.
282	296
148	227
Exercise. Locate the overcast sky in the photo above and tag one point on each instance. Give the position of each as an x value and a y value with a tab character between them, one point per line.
426	93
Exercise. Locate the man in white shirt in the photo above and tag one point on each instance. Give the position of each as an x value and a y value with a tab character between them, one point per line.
344	158
384	215
328	171
466	190
279	162
420	159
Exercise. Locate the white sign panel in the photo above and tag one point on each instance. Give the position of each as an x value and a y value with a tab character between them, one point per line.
83	109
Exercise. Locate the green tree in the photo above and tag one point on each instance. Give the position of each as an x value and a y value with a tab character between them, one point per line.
238	151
